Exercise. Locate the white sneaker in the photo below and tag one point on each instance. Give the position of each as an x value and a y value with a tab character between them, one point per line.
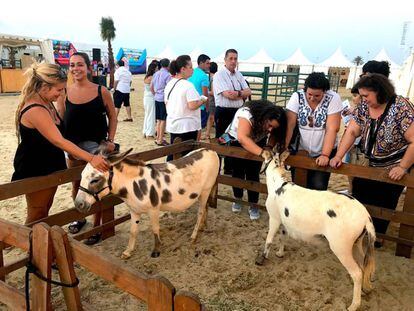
236	207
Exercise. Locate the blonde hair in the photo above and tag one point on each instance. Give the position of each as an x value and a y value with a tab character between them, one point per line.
38	75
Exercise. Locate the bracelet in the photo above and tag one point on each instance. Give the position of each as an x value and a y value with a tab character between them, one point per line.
324	155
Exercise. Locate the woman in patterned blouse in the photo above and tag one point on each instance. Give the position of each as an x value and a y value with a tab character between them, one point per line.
385	123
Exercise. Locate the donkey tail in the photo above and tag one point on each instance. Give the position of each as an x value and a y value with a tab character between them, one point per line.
368	268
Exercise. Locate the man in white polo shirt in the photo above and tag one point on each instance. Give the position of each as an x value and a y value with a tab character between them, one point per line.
122	87
230	92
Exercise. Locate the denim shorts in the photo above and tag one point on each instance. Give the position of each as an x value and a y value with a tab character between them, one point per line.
88	146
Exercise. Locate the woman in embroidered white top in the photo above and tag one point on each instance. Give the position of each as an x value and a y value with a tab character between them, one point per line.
316	110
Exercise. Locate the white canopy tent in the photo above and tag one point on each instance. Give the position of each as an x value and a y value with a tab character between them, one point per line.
382	55
257	62
194	55
405	82
220	59
297	59
336	60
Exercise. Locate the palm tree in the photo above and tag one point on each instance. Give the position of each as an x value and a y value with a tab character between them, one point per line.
108	34
358	60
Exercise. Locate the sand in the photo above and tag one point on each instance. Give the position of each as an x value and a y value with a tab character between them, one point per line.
220	267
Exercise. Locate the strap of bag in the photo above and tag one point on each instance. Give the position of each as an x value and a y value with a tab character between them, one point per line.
169	93
373	136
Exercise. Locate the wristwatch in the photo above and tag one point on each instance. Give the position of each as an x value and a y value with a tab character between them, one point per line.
110	140
239	93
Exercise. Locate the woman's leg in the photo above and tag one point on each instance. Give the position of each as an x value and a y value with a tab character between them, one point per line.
39	203
77	225
317	180
252	174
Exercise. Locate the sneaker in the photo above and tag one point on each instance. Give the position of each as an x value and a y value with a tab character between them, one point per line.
236	207
254	213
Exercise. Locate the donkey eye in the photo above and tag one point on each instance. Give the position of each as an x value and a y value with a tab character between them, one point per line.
94	181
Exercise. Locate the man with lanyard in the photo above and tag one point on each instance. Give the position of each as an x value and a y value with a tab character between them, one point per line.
201	82
230	92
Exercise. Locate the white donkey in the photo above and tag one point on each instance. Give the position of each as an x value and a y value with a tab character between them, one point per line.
151	188
310	215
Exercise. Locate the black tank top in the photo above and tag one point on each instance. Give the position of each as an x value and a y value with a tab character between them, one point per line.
35	155
86	122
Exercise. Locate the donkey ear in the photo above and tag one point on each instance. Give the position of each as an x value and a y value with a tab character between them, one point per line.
284	156
116	158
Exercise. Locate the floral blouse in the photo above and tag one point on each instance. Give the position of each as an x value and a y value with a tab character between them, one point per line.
390	144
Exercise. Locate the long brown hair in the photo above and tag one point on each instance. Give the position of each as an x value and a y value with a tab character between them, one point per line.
38	75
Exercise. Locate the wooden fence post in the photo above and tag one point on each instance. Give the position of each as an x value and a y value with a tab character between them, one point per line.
67	273
2	275
160	294
186	301
301	175
108	215
406	231
42	260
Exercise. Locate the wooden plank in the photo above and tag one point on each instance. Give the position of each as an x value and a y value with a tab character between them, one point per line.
187	301
14	234
12	297
72	214
160	294
110	269
406	231
67	273
12	80
14	265
87	234
245	203
108	215
241	183
373	173
2	272
392	215
42	260
400	241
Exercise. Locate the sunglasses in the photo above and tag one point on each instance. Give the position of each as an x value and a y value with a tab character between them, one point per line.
310	121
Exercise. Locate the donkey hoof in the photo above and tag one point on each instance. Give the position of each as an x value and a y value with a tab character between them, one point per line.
280	254
155	254
260	260
125	255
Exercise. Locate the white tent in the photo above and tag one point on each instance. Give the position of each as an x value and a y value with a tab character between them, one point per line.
381	56
405	82
166	53
194	55
220	59
296	59
336	60
257	62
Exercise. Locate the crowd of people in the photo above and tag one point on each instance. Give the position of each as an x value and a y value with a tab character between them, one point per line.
184	101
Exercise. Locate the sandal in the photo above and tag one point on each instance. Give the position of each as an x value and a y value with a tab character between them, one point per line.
128	120
76	226
93	239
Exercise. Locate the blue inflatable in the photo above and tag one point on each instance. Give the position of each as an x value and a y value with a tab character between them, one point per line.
137	59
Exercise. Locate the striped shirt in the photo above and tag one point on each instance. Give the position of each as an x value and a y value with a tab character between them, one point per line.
224	80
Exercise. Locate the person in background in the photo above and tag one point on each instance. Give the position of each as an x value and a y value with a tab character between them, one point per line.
201	82
316	110
212	103
230	92
148	128
39	130
122	87
86	109
158	83
385	123
257	124
374	66
183	102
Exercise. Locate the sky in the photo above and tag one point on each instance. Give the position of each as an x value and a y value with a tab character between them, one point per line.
360	28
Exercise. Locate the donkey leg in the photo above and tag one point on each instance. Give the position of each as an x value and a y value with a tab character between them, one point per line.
274	224
132	235
155	224
283	237
343	250
201	213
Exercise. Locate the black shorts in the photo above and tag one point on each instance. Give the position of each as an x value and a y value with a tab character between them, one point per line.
120	98
160	111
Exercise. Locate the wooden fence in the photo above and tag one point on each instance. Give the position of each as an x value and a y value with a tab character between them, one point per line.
148	289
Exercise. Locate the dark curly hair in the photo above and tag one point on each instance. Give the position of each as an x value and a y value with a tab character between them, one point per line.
379	84
263	110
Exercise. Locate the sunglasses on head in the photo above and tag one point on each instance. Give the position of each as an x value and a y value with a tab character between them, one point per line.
310	121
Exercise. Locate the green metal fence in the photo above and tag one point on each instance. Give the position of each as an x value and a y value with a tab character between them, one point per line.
278	87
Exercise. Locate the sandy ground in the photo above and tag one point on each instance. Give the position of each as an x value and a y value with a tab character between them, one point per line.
220	266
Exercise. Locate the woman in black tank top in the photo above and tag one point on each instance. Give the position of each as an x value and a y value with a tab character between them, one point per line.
41	144
85	111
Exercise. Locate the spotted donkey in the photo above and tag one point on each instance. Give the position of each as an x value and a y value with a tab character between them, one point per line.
151	188
309	215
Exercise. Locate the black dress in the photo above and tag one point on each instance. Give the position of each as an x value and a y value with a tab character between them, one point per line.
35	155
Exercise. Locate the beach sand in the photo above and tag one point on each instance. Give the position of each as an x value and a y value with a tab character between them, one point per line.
220	266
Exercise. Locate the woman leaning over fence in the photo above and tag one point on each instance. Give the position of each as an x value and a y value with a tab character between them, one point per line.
256	126
385	123
314	118
41	144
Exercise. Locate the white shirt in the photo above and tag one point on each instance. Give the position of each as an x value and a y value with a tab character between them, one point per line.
180	118
224	80
311	137
124	77
242	112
